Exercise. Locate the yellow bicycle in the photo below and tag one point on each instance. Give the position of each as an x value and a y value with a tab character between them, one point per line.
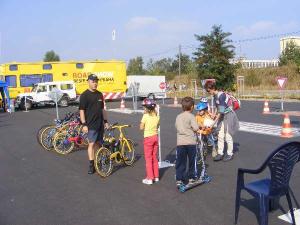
114	150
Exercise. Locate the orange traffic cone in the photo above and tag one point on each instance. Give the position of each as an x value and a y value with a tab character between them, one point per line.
266	108
175	101
286	131
122	106
104	104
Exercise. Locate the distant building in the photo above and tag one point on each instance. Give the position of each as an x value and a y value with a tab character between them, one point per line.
284	41
256	63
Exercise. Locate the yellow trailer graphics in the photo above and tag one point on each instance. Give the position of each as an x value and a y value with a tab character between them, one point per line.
112	75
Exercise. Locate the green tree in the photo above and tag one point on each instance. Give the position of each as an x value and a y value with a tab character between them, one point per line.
186	64
213	57
291	54
159	67
51	56
135	66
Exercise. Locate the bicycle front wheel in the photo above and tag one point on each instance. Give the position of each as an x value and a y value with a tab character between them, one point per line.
61	143
39	133
103	164
128	152
47	137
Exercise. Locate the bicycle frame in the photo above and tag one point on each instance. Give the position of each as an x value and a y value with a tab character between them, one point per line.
117	155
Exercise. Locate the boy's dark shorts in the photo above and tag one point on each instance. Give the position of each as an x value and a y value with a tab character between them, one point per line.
95	136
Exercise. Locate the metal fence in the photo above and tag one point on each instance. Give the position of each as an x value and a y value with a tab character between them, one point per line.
270	94
246	94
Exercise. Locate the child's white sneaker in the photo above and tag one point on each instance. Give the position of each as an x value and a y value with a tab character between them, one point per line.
147	181
156	179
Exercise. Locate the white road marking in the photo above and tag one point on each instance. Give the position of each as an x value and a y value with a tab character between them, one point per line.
126	111
265	129
288	218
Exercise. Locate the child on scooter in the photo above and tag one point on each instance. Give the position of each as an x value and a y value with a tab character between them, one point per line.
186	126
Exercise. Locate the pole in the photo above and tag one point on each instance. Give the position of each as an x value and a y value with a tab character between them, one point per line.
114	45
26	104
161	164
56	106
158	131
179	61
132	97
281	91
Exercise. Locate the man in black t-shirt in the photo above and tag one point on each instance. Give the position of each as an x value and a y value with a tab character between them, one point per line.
93	117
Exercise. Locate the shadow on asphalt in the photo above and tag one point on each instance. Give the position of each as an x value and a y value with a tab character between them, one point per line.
236	147
120	166
295	123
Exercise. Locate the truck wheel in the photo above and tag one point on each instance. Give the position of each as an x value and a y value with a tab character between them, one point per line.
28	104
64	101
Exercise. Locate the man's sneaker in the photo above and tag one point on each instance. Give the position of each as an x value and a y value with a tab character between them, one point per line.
147	181
192	181
228	158
218	157
156	179
214	152
178	183
91	169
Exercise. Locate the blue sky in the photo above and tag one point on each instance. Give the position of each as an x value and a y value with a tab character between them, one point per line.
82	30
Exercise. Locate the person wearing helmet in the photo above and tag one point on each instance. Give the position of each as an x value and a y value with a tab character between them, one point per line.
149	124
204	99
205	121
203	117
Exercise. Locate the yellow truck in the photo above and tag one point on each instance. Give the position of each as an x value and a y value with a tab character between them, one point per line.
22	76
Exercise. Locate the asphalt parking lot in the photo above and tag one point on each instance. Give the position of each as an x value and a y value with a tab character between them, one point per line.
40	187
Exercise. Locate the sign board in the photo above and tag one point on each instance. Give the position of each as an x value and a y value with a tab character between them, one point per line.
210	80
202	83
55	94
113	35
281	81
162	85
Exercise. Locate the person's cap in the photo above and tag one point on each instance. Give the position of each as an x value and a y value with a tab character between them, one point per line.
93	77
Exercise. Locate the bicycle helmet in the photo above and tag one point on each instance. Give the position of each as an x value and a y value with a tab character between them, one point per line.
201	106
203	99
149	103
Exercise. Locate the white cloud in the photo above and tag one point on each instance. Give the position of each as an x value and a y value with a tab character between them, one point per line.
136	23
177	26
258	27
265	28
166	26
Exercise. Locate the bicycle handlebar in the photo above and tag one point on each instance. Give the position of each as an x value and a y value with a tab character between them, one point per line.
116	126
121	126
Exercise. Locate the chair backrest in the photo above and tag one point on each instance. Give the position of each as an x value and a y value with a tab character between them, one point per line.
281	164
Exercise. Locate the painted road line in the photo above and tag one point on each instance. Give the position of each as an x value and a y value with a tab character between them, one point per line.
290	113
288	218
126	111
265	129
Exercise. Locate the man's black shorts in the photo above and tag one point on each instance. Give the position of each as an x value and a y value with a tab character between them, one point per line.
95	136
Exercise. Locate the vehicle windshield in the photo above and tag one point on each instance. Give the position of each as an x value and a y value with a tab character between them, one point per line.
34	88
